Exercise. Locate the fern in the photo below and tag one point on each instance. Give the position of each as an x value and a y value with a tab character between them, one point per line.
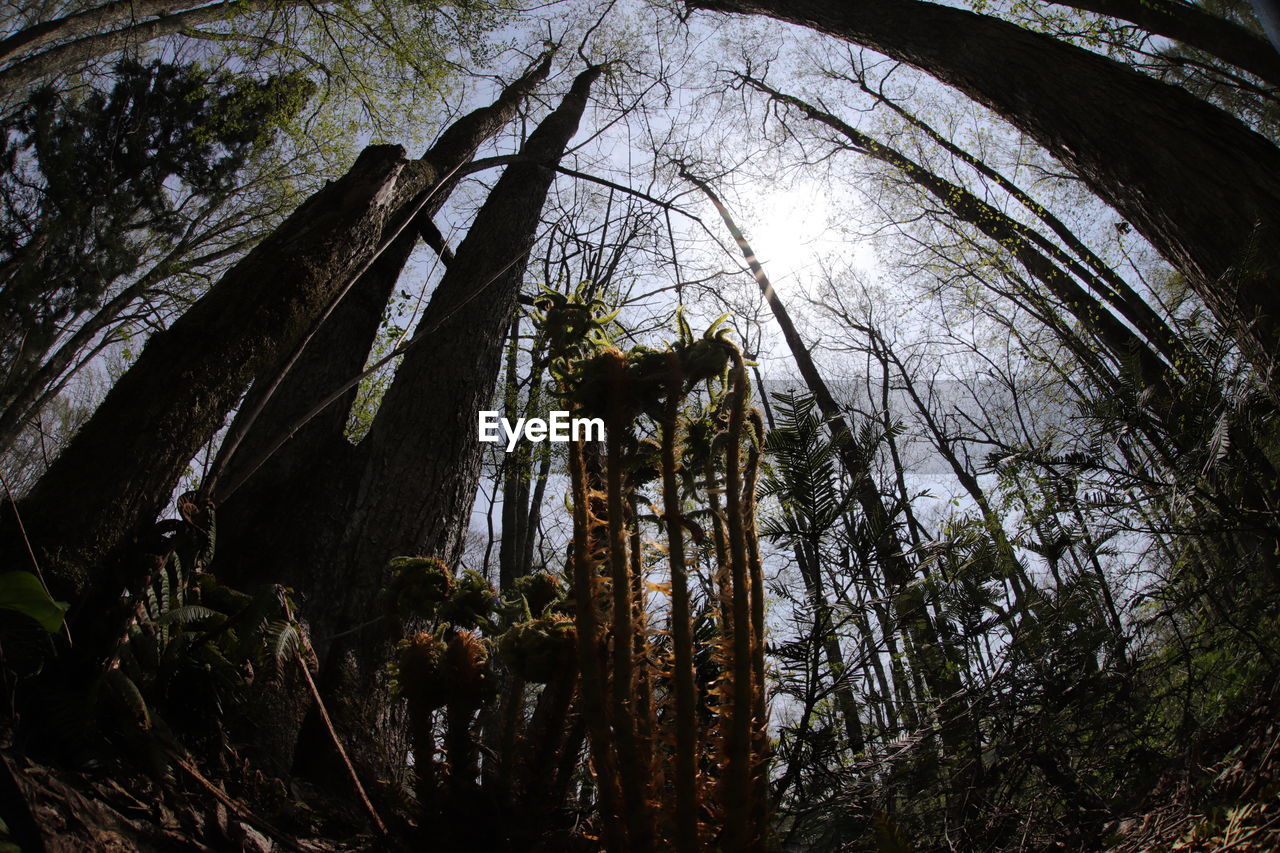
187	614
283	640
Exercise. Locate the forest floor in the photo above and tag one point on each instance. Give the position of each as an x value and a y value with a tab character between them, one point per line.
1224	795
117	811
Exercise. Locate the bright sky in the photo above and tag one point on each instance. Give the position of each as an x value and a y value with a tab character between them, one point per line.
792	231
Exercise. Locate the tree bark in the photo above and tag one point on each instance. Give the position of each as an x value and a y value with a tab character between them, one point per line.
1202	187
119	470
286	492
420	463
1195	27
82	23
281	503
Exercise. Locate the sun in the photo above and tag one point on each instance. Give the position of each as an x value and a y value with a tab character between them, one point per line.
793	232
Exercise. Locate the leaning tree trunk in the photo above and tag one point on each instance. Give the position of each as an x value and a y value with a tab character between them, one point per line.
419	466
120	469
1196	182
107	16
83	44
279	471
283	483
1196	27
959	735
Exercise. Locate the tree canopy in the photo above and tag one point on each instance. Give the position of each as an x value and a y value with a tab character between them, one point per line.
932	348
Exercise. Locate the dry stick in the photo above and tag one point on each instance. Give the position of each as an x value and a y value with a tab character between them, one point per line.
593	704
337	742
35	564
333	734
241	811
635	781
686	766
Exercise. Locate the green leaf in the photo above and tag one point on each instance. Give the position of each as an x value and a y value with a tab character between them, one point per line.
186	614
23	592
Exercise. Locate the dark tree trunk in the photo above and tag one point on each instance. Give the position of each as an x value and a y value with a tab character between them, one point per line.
286	483
69	55
77	24
286	491
420	463
1195	27
1196	182
119	470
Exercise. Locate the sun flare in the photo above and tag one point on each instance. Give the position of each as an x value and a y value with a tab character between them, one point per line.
795	232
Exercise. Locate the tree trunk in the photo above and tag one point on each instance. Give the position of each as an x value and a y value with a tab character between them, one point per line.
285	489
77	24
1195	27
289	486
420	463
1195	181
119	470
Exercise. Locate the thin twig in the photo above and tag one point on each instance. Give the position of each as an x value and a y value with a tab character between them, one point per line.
35	564
342	752
241	810
333	734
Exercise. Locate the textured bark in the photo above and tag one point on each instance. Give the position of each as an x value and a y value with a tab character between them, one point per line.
421	459
420	464
119	470
287	505
82	23
291	503
1195	27
1195	181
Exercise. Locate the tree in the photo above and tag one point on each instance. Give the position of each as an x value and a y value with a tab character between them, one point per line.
72	232
1123	133
86	503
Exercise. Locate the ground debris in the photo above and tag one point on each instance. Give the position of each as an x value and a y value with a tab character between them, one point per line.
61	811
1225	796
